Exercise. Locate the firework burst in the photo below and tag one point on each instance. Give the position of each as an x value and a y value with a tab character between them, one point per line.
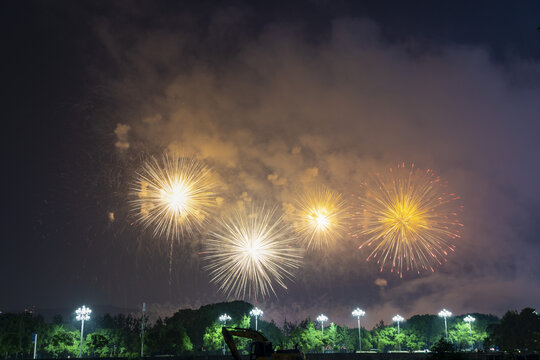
408	219
173	196
250	252
318	217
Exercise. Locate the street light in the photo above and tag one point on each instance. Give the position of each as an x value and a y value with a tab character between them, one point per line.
359	313
398	318
445	313
83	314
322	318
256	312
223	318
469	320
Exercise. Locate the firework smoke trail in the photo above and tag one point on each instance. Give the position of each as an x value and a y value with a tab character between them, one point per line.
409	219
173	196
318	217
250	252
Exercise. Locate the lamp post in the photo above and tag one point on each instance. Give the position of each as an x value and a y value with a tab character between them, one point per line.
83	314
142	329
223	318
398	318
469	320
445	313
359	313
34	340
256	312
322	318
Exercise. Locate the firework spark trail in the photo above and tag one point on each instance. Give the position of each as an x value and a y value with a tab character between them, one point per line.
319	217
409	219
173	196
251	250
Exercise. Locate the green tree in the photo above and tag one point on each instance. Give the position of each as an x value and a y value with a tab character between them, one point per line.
368	342
412	340
428	328
442	347
310	338
122	334
460	335
331	338
196	321
303	335
63	341
10	343
517	331
213	338
168	337
16	333
348	339
272	333
386	337
97	344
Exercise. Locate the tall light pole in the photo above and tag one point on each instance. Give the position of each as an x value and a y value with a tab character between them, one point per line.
256	312
34	340
83	314
322	318
469	320
359	313
445	313
223	318
142	329
398	318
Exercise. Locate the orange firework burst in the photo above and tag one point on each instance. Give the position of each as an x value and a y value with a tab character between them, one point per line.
173	195
318	217
408	219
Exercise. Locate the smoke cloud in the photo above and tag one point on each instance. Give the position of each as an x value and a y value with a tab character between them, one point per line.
281	113
121	132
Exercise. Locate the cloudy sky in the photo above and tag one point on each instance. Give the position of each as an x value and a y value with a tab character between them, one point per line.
272	97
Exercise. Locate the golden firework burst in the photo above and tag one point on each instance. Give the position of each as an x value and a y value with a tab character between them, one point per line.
318	217
409	219
173	195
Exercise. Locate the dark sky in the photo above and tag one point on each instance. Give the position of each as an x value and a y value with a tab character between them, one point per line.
357	86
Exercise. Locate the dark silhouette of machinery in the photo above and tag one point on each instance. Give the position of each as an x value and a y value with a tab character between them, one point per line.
260	347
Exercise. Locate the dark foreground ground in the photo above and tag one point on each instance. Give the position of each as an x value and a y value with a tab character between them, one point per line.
363	356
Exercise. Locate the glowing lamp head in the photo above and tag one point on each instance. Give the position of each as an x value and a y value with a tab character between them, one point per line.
469	319
322	318
83	313
224	318
358	312
445	313
256	312
398	318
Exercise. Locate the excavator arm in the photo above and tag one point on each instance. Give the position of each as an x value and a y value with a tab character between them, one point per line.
228	334
261	348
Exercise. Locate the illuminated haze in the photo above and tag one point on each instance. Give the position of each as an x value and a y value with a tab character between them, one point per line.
279	109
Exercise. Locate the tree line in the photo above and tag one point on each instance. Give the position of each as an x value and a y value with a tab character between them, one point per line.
199	331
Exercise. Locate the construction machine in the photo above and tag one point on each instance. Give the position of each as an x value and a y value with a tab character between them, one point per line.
260	347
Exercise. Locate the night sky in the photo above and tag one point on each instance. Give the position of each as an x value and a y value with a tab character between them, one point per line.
269	95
